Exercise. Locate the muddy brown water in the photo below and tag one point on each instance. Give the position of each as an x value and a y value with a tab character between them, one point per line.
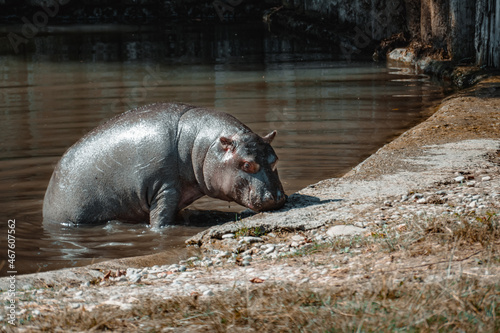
330	115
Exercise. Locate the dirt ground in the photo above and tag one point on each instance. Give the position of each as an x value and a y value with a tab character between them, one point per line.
408	240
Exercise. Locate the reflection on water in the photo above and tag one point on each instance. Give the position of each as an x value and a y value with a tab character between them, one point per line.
329	114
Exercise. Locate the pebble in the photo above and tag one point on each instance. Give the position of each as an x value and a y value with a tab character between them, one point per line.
459	179
250	239
208	293
247	258
269	249
134	278
226	236
344	230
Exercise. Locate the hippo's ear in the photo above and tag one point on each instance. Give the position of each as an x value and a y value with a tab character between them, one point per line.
226	143
270	137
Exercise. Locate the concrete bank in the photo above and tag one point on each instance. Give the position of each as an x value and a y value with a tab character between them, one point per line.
431	152
447	165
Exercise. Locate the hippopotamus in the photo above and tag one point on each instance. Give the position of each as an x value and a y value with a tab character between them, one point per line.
148	163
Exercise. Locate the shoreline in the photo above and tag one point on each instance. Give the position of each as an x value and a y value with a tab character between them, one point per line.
446	166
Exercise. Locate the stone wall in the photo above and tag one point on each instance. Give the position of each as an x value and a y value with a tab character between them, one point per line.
464	30
467	30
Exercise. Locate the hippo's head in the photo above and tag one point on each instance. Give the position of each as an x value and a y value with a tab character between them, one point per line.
242	168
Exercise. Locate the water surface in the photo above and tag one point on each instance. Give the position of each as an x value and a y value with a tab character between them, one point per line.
330	115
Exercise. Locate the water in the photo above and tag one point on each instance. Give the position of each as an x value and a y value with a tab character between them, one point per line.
330	115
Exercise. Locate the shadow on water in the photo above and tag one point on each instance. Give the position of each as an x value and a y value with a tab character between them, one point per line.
330	115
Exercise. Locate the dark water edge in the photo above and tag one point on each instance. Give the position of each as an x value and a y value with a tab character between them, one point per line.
330	115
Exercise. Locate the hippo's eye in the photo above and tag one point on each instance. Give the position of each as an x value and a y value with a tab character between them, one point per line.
249	167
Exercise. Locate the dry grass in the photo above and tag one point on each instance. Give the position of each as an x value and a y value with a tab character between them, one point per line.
441	284
464	304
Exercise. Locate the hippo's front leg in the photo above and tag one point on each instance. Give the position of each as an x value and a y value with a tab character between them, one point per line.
164	208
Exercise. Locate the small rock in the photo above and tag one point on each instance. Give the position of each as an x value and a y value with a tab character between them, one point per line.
459	179
422	201
360	224
298	238
245	263
208	293
135	278
223	254
344	230
269	249
247	258
251	239
471	183
228	236
305	280
207	263
294	244
486	178
79	293
319	237
182	268
75	305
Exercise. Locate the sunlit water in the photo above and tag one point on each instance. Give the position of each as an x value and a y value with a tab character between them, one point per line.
330	115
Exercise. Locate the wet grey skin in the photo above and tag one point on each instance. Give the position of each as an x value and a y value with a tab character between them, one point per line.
148	163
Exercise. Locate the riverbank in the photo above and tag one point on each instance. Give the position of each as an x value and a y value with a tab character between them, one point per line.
414	226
